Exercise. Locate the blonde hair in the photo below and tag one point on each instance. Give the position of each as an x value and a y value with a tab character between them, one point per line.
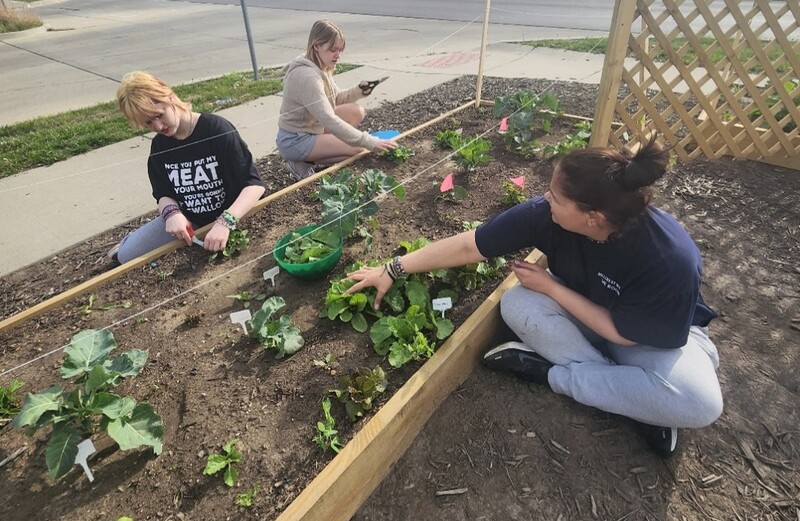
323	32
139	93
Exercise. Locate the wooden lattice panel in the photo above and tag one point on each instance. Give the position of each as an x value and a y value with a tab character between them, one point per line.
711	83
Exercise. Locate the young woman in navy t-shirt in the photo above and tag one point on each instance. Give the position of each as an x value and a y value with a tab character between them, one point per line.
617	321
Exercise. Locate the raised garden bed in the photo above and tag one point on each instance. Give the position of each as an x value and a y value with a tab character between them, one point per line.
211	384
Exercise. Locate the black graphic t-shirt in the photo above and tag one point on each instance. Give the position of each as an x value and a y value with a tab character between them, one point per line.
648	278
205	172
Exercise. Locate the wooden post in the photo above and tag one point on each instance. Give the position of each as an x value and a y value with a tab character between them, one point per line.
612	71
479	86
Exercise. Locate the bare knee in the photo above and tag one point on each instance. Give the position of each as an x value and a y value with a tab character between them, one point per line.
353	113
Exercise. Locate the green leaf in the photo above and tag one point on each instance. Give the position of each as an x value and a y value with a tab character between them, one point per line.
62	449
99	379
359	322
216	462
231	476
143	428
87	349
37	404
129	363
123	406
262	317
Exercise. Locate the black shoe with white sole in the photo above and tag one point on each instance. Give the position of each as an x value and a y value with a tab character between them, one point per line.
662	440
512	357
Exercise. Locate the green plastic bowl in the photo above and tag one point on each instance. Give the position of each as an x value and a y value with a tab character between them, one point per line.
308	270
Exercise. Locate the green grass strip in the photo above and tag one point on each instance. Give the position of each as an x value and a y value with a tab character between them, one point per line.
50	139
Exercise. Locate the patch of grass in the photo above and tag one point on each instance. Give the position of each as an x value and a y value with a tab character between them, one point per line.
47	140
600	45
13	20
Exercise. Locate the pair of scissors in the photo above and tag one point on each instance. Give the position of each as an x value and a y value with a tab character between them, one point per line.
367	86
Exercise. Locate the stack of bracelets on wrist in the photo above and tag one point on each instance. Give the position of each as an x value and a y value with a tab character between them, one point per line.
169	211
228	220
395	269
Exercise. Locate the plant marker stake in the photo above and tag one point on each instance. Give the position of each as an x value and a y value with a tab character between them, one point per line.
519	181
241	318
194	238
503	126
442	304
447	183
85	449
271	273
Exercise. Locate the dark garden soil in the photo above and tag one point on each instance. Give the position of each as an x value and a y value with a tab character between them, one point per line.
497	449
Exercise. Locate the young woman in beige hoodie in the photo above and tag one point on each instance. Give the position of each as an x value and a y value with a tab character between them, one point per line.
318	119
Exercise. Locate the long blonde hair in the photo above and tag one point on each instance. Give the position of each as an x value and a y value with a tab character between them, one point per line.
138	95
323	32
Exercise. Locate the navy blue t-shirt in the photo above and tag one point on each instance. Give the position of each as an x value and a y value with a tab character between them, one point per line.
648	278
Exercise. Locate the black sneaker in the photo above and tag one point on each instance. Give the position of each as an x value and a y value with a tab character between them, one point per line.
662	440
514	358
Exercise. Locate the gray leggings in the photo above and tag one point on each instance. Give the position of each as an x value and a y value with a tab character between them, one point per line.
146	238
665	387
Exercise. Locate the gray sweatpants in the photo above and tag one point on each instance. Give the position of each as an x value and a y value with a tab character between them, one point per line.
665	387
146	238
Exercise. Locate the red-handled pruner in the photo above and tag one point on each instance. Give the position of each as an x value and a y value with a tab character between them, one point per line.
192	235
367	86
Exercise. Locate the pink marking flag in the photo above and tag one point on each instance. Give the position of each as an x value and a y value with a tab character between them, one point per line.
519	181
503	126
447	183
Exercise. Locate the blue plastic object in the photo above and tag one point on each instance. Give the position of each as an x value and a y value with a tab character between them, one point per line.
385	134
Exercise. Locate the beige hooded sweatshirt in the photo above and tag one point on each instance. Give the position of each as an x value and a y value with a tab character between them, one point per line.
309	97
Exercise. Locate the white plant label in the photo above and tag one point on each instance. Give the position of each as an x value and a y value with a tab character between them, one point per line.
241	318
85	449
442	304
271	273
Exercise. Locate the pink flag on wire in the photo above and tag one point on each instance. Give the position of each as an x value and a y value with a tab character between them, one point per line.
519	181
503	126
447	183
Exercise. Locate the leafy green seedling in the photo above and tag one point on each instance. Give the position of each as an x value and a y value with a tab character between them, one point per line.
348	200
348	308
471	276
245	297
454	195
399	155
87	306
328	362
359	391
473	153
513	194
237	241
470	225
327	436
402	338
225	461
576	141
281	333
9	401
528	113
91	407
246	499
452	139
302	249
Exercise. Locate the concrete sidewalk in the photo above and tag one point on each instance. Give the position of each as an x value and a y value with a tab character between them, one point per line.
52	208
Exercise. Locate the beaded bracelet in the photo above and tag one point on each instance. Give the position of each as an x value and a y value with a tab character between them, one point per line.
389	271
169	211
228	220
398	268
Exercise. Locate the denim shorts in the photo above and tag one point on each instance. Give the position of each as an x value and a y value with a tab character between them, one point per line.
295	146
